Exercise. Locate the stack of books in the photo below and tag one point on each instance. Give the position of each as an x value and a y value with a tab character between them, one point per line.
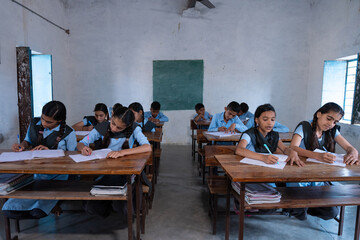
12	182
258	193
108	190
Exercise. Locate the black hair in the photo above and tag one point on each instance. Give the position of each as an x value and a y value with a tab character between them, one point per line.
116	105
57	111
137	107
127	117
329	139
102	107
244	107
263	108
199	106
155	106
234	106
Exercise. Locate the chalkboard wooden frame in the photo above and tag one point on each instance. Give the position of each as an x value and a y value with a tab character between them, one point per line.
178	84
356	104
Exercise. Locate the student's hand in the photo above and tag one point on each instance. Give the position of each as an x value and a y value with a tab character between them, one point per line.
326	157
351	158
86	151
231	129
17	147
270	159
222	129
40	147
294	158
115	154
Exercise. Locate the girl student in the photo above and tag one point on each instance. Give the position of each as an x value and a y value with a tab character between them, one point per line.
138	110
252	141
47	132
101	114
321	133
115	134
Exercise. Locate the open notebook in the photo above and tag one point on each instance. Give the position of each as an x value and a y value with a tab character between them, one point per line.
97	154
280	165
27	155
223	134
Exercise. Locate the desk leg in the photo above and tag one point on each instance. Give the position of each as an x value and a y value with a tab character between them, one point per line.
130	207
242	211
227	226
357	225
138	207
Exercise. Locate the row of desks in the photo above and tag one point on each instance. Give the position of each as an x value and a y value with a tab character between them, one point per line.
224	156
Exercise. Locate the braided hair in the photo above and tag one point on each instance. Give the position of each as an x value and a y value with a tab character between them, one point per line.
137	107
260	109
57	111
328	137
125	115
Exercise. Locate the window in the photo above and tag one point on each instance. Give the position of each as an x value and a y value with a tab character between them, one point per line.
339	81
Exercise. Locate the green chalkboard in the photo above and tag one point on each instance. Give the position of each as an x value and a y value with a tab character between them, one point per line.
178	84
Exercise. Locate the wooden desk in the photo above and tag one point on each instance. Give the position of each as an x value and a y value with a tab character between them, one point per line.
200	124
285	137
127	165
311	172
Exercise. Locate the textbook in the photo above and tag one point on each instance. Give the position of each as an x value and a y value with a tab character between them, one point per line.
223	134
12	182
258	193
96	154
339	160
82	133
108	190
28	155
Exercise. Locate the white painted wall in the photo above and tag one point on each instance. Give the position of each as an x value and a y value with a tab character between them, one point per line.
18	27
253	51
335	33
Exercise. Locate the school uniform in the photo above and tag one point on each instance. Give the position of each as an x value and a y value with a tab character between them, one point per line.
207	116
160	116
325	213
218	121
142	125
246	115
89	121
67	143
277	127
103	208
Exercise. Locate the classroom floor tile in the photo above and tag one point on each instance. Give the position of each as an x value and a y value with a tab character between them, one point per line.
180	211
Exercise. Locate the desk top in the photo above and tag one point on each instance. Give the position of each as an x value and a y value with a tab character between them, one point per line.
153	136
212	150
311	172
131	164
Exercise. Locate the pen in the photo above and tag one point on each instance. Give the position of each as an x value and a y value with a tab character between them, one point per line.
267	148
325	149
18	138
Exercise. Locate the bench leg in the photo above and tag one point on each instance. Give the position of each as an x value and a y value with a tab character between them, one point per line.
341	220
227	229
17	226
215	214
357	225
7	228
242	211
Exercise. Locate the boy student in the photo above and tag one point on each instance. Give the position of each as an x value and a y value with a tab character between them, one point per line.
155	115
244	113
201	114
228	121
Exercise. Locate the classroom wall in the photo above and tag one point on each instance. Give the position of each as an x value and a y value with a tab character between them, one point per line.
335	33
253	51
18	27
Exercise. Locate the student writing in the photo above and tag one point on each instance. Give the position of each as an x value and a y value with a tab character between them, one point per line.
244	113
228	120
120	131
47	132
101	114
155	115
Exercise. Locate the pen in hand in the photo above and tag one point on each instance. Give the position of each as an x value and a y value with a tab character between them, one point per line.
267	148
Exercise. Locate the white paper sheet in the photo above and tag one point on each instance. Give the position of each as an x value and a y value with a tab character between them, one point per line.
280	165
223	134
28	155
339	161
82	133
97	154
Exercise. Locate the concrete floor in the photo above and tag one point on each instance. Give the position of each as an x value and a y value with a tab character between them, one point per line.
180	211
